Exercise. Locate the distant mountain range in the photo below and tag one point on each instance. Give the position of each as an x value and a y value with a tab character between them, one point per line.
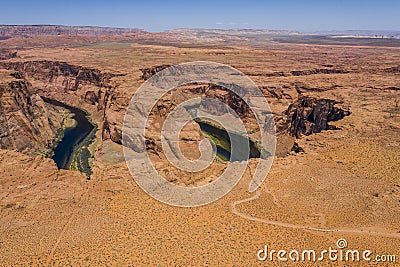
236	31
8	31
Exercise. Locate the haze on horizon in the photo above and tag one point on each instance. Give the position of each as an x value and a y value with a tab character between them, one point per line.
306	16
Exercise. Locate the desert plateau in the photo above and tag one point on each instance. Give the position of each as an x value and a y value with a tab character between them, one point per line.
335	175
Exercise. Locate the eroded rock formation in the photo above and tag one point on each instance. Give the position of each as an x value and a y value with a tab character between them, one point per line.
80	86
225	96
148	72
58	75
310	115
27	123
7	54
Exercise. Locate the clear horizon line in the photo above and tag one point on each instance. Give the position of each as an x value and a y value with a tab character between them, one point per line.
199	28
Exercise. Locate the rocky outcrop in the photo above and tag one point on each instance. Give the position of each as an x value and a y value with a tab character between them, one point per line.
274	92
92	97
296	148
213	91
310	115
27	124
270	74
227	97
316	71
393	88
148	72
205	90
392	69
112	129
7	54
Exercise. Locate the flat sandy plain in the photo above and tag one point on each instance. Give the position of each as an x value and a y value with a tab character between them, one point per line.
347	180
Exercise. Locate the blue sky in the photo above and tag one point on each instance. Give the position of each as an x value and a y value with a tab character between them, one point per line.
155	15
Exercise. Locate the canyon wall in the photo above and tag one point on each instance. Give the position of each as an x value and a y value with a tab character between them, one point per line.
86	88
27	123
24	113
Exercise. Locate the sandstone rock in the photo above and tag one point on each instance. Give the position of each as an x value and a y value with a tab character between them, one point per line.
51	71
91	97
310	115
148	72
296	148
224	95
71	84
7	54
274	92
112	127
27	123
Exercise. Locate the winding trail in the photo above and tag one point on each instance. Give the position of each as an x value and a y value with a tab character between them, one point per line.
302	227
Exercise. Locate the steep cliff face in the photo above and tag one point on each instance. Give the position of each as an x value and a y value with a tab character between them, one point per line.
306	115
206	90
226	97
59	76
310	115
112	128
80	86
27	124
